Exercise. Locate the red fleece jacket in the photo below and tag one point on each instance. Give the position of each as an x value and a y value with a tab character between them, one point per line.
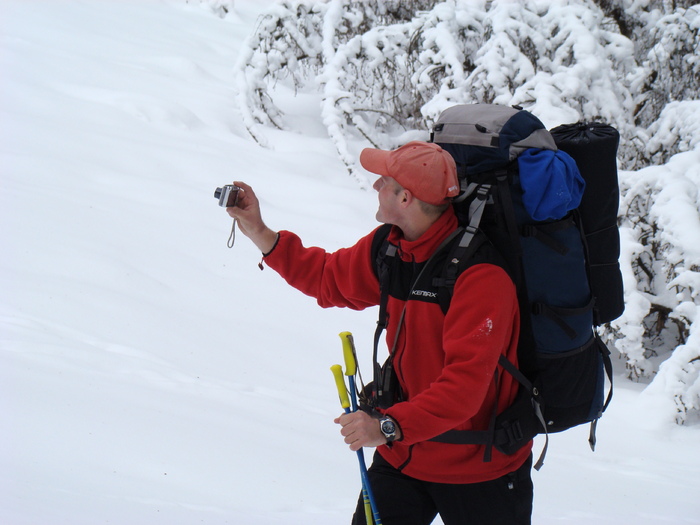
445	363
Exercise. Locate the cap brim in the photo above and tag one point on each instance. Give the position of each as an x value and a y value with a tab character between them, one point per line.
375	160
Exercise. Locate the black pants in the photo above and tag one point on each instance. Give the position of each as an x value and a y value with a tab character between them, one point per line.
402	500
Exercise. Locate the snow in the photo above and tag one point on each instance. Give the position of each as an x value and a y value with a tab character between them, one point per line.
149	374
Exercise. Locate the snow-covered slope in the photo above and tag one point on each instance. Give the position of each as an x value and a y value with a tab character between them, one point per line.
150	375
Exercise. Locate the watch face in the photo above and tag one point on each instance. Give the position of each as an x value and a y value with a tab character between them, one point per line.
388	427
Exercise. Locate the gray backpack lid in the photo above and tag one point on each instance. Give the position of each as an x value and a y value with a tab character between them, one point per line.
494	135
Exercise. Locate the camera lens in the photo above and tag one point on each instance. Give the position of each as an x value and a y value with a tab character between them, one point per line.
217	193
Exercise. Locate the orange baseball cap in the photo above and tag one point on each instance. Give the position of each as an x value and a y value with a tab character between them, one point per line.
423	168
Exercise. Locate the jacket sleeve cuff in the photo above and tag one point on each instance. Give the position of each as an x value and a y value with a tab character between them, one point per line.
277	240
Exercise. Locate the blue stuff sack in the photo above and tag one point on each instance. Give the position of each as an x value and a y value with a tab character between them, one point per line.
551	182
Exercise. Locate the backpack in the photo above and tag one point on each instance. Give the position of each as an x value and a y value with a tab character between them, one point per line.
549	218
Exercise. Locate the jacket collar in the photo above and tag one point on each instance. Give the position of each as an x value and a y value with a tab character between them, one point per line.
422	248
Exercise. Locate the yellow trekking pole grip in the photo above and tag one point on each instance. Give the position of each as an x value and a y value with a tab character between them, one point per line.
340	384
349	353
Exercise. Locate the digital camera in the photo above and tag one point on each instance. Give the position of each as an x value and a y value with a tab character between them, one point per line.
228	195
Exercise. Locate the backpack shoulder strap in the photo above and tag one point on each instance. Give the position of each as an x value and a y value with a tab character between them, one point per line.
382	252
381	255
380	246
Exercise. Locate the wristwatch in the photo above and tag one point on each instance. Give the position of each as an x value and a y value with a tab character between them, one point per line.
388	428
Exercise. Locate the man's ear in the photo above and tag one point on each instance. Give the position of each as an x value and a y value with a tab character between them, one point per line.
406	197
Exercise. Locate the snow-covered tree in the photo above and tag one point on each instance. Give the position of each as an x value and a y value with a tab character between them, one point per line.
385	70
659	331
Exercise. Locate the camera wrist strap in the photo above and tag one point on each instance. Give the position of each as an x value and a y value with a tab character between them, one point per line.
232	237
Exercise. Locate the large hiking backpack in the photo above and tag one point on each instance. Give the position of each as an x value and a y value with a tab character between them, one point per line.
524	196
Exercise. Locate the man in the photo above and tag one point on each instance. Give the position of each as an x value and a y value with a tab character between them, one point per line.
446	364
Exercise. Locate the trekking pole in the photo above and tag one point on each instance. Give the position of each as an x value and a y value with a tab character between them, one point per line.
345	403
371	516
350	358
371	513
